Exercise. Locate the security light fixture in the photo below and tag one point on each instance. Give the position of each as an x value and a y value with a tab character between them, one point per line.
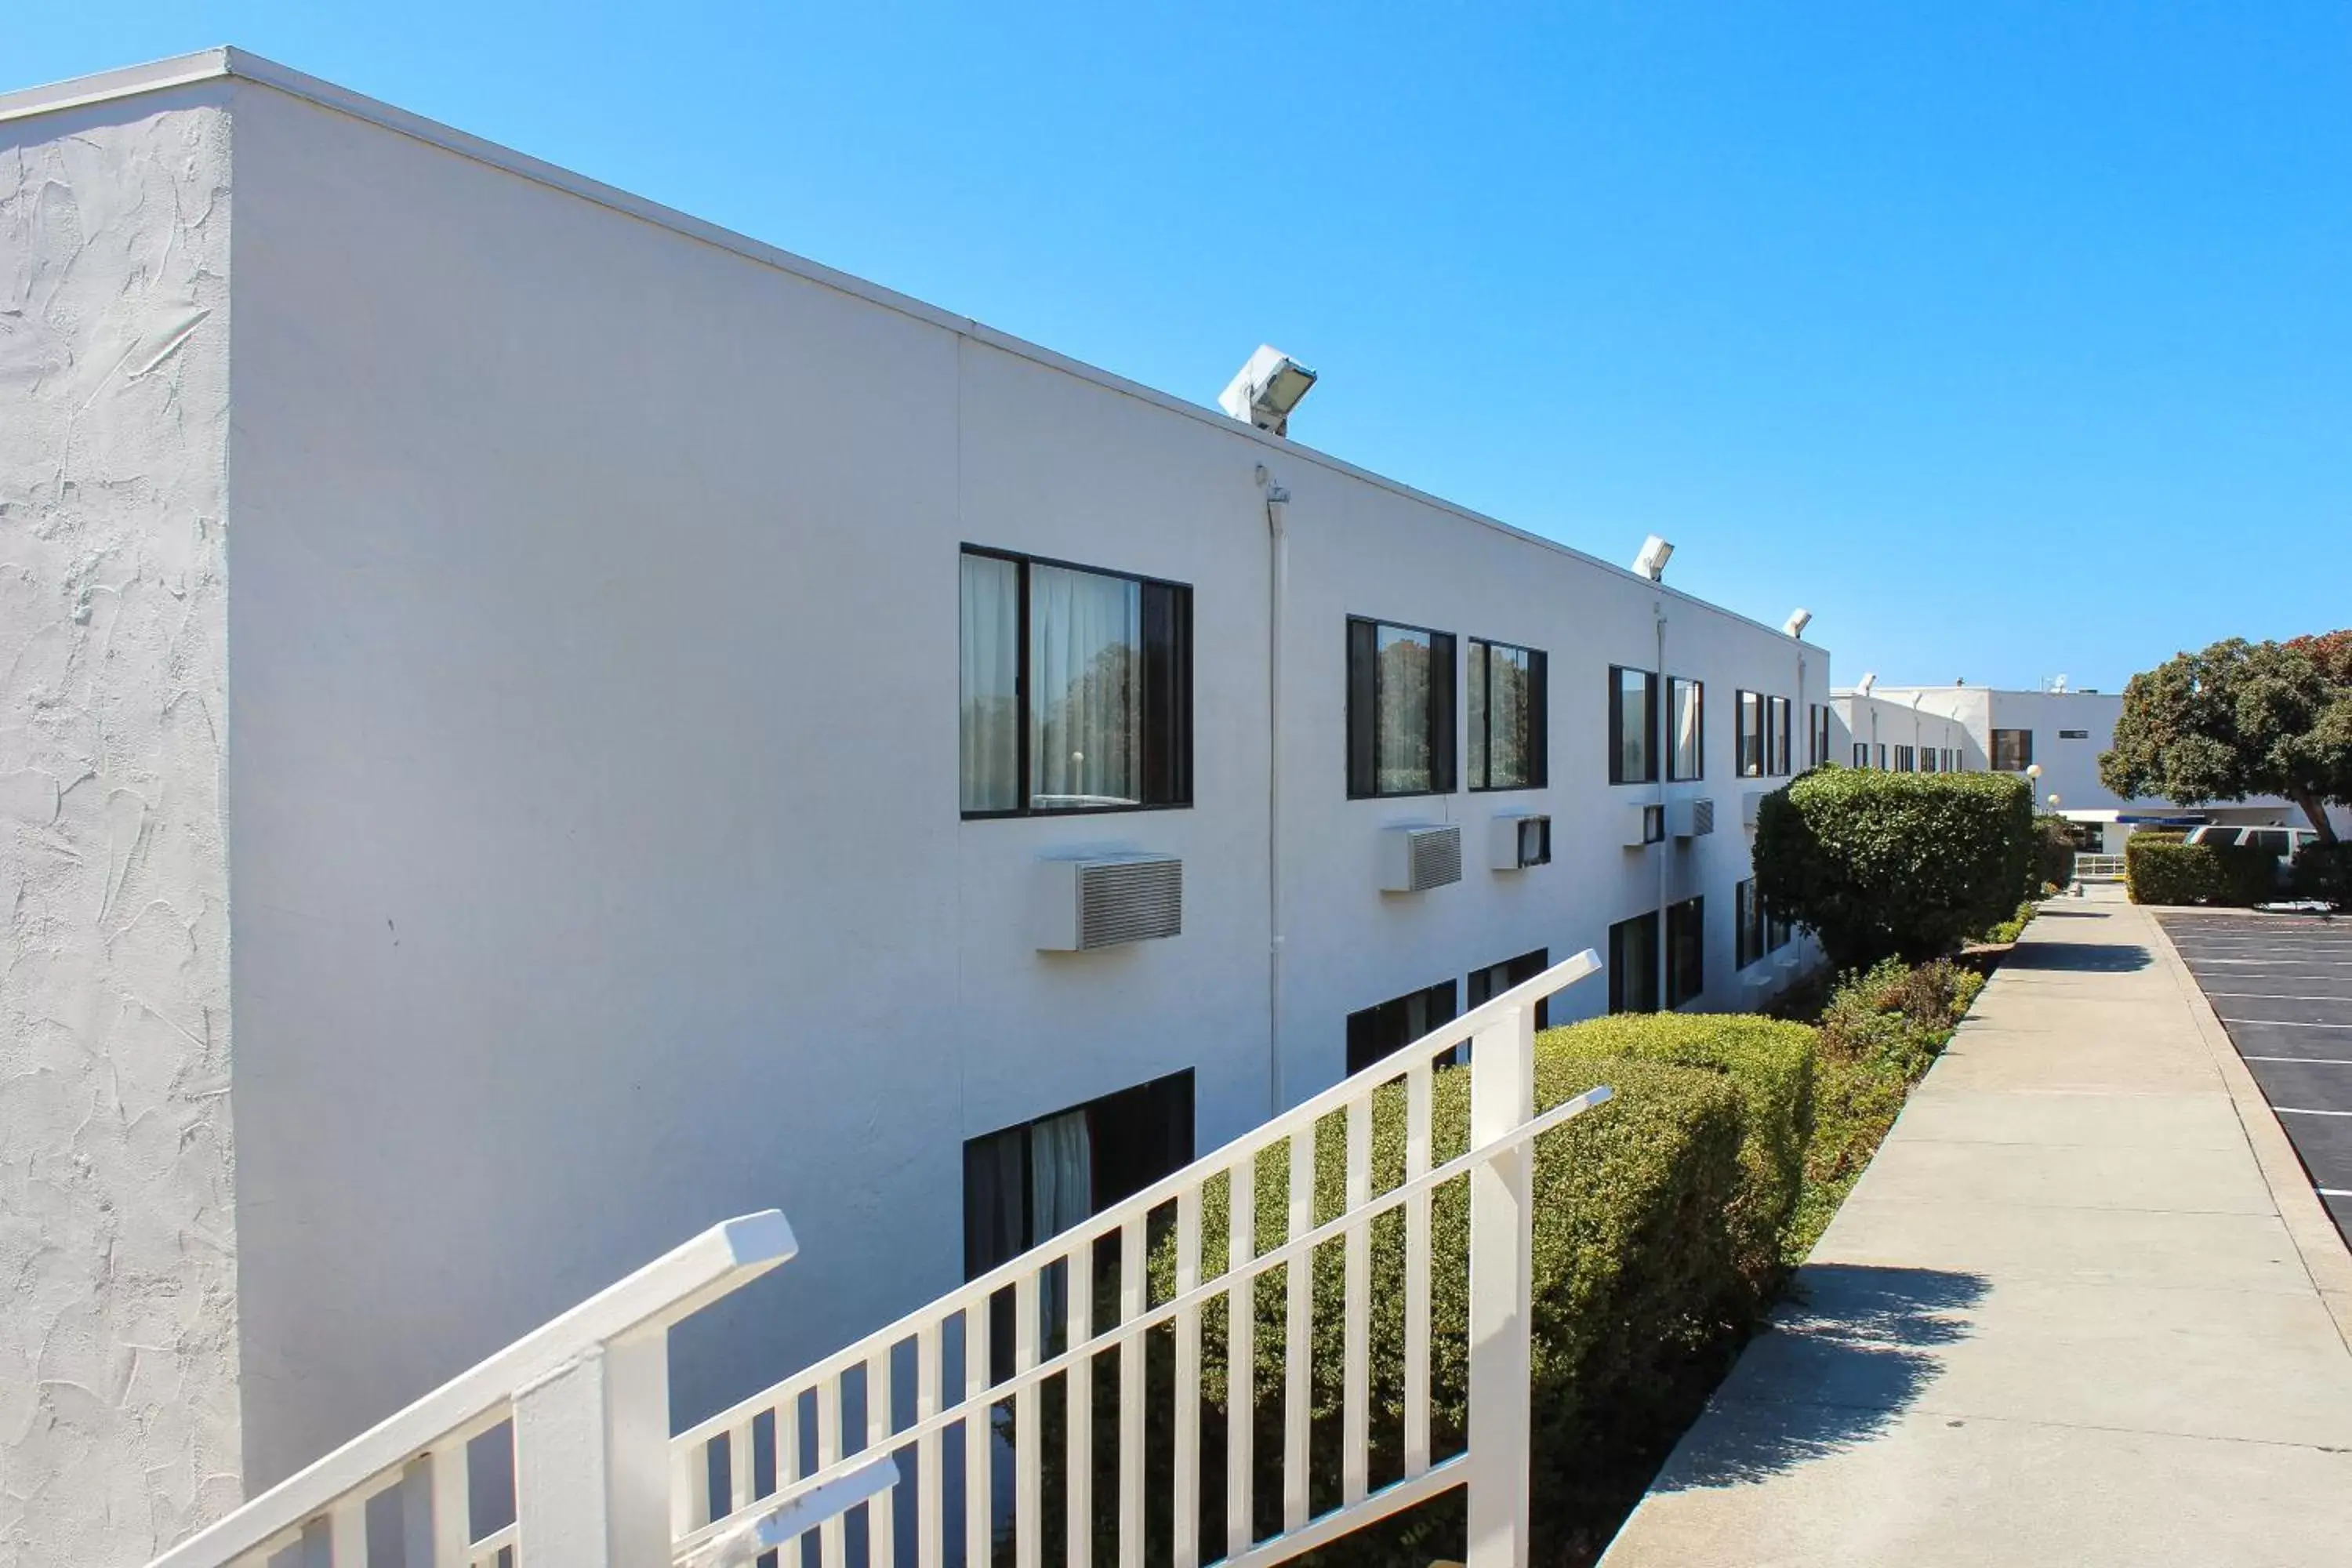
1651	561
1266	389
1797	622
1868	680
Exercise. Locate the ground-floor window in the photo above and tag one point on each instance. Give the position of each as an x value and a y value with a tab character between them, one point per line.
1685	950
1634	964
1388	1028
1023	1185
1747	925
1491	981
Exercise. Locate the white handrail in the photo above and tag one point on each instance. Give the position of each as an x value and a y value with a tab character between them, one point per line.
647	1302
1049	1292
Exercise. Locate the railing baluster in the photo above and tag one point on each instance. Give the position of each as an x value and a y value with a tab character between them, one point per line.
1356	1379
1417	1118
788	1459
832	1535
739	1469
1131	1396
930	1486
1186	1550
689	1488
347	1532
881	1539
978	1484
1028	1438
1298	1349
1241	1355
453	1524
1078	1396
1501	1198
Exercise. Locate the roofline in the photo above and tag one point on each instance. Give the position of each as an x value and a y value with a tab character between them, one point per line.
226	62
1884	688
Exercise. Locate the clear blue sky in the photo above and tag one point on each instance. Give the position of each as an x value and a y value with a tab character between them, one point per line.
2012	339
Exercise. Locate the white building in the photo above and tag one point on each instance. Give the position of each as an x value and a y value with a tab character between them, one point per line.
2060	732
512	748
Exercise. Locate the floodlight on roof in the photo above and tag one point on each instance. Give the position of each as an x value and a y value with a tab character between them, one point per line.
1862	687
1268	386
1797	622
1651	561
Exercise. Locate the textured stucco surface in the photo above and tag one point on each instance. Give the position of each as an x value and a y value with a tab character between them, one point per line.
117	1328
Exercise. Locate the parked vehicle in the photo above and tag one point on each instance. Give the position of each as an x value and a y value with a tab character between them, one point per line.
2280	841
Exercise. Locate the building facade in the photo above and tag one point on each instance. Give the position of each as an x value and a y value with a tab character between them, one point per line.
544	724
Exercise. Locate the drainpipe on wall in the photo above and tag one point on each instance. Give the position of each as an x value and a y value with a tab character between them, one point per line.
1277	586
1667	725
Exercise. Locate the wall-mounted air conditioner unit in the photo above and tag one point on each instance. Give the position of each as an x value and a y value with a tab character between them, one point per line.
1644	823
1518	841
1690	818
1415	859
1106	901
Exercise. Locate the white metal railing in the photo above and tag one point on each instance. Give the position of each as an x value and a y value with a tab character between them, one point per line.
599	1483
855	1406
588	1397
2098	867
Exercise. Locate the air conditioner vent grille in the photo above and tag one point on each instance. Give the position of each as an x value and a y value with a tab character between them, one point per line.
1436	856
1130	900
1702	817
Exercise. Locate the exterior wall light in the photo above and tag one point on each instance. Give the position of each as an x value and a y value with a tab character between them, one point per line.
1797	622
1268	386
1651	561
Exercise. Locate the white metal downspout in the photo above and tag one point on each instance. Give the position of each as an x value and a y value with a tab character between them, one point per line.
1278	584
1666	830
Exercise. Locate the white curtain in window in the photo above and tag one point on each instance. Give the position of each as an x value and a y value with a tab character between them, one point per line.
1686	712
989	761
1085	649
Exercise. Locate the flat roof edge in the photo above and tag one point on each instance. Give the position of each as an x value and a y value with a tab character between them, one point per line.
229	61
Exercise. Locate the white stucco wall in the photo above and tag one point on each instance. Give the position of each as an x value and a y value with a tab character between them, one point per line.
593	749
1952	719
118	1339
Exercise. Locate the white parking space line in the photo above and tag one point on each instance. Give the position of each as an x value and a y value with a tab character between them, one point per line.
2307	1061
2283	1023
2278	996
2300	1111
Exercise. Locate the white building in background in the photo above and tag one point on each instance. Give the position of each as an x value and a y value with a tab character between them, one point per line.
533	723
2059	732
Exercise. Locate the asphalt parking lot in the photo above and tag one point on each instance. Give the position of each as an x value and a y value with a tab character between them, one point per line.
2283	986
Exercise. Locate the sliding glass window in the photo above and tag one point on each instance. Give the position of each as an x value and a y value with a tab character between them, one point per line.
1686	723
1780	723
1400	710
1749	754
1506	716
1076	689
1632	726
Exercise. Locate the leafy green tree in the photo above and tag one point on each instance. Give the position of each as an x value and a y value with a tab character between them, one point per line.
2240	719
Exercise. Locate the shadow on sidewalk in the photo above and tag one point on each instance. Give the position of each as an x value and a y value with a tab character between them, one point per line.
1841	1363
2080	957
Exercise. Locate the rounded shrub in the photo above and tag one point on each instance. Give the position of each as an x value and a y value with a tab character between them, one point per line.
2157	871
1894	865
2324	871
1637	1291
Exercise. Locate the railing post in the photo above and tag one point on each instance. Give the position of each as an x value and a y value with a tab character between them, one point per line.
1502	1210
591	1459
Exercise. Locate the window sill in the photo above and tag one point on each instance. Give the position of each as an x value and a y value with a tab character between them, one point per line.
1052	813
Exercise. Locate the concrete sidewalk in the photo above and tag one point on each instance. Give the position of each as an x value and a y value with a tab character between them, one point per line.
2082	1309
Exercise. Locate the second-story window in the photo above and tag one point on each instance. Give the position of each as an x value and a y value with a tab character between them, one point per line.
1632	726
1687	722
1506	701
1780	722
1750	750
1400	710
1817	731
2012	750
1076	689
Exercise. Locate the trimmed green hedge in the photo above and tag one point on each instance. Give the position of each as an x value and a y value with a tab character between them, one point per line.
2053	854
1770	1064
1639	1291
1895	865
2159	872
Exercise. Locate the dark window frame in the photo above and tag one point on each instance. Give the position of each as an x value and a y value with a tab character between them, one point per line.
1120	1182
1538	711
1747	925
1862	754
1650	702
1673	730
1906	759
1780	723
1818	733
1621	978
1174	682
1367	1045
1745	729
1364	710
1685	950
1497	978
2021	758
